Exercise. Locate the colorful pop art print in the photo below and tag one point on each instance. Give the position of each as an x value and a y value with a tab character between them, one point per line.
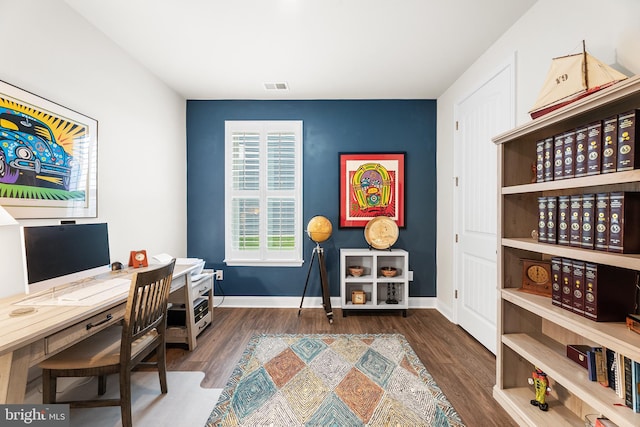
48	157
371	185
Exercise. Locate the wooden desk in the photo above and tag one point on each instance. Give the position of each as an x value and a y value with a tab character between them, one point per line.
31	338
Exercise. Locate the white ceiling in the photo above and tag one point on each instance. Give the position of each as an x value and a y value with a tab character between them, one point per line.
323	49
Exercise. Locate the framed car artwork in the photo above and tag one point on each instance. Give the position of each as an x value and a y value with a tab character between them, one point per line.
48	157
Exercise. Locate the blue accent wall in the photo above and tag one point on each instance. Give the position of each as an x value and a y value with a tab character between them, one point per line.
330	127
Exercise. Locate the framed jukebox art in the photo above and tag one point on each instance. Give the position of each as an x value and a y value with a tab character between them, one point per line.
371	185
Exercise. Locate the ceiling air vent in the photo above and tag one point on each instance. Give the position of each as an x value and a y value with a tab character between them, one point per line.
276	86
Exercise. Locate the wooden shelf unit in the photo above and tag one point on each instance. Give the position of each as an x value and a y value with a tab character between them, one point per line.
193	291
372	282
532	332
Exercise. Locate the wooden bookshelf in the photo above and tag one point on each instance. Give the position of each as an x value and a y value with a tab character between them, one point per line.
532	331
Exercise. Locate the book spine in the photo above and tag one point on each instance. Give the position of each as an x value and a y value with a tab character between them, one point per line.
601	367
591	291
575	220
568	156
540	161
628	382
563	225
548	159
591	364
610	356
588	210
616	222
594	148
635	373
609	145
558	157
581	152
542	219
577	276
601	221
567	284
552	213
627	129
556	281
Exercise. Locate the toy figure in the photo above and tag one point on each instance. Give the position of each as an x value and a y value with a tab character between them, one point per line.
541	383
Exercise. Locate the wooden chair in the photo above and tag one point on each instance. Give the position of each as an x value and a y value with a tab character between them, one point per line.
119	348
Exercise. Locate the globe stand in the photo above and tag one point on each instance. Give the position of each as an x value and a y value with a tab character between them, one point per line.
326	296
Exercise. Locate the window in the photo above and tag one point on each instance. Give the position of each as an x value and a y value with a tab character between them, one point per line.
263	193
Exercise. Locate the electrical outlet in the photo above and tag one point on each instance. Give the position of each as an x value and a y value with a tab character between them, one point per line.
218	274
411	275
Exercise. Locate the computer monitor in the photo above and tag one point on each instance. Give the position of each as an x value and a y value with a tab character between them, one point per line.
60	254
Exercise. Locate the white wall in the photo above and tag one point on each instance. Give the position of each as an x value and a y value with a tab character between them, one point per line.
611	30
53	52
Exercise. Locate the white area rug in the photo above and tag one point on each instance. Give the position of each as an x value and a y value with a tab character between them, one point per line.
186	403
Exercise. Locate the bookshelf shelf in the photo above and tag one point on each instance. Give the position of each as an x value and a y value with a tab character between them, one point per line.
532	332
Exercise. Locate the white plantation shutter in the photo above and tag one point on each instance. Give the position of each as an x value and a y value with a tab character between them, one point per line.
263	197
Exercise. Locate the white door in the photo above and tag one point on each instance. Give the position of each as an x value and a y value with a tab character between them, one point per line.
488	111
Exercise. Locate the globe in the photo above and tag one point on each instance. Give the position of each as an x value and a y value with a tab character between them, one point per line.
319	229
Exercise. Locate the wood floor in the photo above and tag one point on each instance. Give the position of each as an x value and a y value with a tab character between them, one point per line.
463	368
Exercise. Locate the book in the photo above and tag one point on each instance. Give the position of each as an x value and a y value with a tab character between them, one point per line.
563	223
577	277
558	157
556	281
624	217
575	220
594	148
542	219
581	151
567	284
551	214
609	292
627	378
588	225
602	376
628	156
610	358
601	239
569	147
540	161
635	386
609	145
591	363
548	159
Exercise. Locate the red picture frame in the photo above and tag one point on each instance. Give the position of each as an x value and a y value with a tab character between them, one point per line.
371	185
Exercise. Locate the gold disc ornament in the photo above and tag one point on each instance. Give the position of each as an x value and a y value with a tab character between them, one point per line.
381	232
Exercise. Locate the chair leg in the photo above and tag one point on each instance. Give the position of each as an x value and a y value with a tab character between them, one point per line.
48	387
161	355
102	384
125	397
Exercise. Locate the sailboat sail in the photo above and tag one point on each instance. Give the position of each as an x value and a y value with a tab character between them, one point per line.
570	78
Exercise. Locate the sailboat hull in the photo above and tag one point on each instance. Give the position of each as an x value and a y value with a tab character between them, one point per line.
549	108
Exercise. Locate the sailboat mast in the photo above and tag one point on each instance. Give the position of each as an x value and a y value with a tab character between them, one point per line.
584	65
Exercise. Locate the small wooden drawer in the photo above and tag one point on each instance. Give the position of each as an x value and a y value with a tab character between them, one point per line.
73	334
202	286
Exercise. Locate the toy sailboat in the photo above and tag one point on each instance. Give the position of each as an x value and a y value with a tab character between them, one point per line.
573	77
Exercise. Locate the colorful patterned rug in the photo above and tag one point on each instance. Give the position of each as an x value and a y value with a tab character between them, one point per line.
331	380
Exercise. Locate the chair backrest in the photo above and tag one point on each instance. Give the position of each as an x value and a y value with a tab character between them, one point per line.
146	306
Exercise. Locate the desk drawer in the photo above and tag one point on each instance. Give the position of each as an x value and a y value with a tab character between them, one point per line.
73	334
201	286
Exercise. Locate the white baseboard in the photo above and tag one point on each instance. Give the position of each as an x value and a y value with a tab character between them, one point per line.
309	302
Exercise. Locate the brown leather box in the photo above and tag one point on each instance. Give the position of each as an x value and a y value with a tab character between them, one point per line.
578	353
